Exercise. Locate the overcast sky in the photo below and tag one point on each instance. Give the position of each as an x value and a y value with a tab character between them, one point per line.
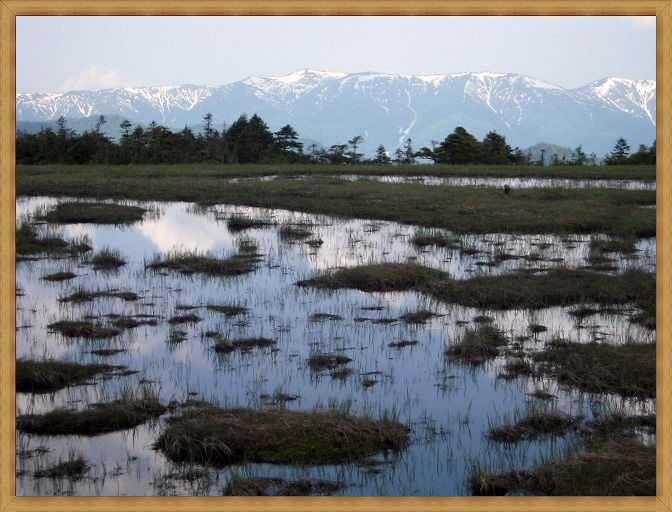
59	53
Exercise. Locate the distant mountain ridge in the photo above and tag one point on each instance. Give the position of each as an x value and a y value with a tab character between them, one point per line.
333	107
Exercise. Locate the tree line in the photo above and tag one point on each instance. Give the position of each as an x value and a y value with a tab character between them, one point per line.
250	141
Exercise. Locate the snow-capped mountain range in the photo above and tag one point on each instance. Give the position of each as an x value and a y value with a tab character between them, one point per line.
386	109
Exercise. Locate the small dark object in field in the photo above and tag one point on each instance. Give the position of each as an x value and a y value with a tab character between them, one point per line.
507	189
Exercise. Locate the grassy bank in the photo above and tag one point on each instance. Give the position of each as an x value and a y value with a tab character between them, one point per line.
461	209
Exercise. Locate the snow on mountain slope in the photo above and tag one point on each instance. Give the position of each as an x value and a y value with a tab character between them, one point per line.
333	107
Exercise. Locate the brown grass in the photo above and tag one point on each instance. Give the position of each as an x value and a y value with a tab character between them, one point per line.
226	346
220	437
266	486
376	277
628	370
97	419
478	344
50	376
534	426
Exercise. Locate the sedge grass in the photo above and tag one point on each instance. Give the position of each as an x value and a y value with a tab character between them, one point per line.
221	437
459	209
50	376
97	419
628	370
93	212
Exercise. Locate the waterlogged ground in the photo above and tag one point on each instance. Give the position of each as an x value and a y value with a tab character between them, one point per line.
513	182
450	406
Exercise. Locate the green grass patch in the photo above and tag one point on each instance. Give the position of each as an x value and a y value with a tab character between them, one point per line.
376	277
628	370
96	213
221	437
97	419
50	376
459	209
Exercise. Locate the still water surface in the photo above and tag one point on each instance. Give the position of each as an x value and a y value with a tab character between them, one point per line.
450	406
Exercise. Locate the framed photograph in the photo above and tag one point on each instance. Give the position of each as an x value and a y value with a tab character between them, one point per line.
324	255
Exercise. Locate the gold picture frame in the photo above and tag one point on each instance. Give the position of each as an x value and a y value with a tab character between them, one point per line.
9	9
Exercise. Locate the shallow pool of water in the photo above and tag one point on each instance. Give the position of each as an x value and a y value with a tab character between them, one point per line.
449	406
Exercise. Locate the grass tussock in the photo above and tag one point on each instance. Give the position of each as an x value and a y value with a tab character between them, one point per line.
377	277
84	329
478	344
426	238
534	426
402	344
188	318
131	322
28	241
89	212
419	317
107	259
613	467
628	370
228	310
237	223
84	295
290	233
192	263
220	437
50	376
72	469
557	287
319	362
321	317
227	346
60	276
97	419
266	486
